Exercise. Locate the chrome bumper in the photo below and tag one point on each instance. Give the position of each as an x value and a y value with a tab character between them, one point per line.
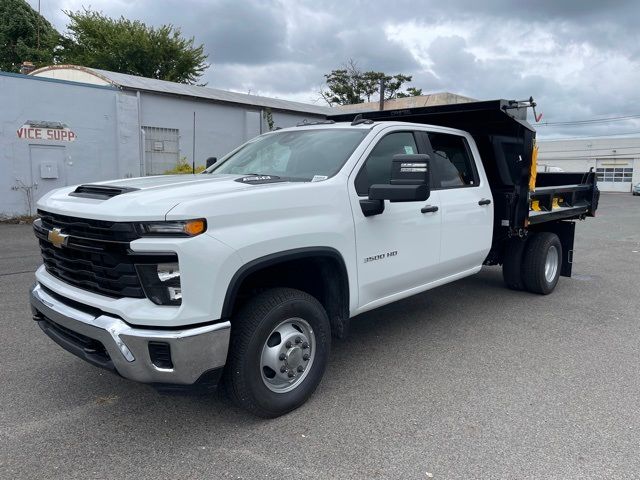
194	351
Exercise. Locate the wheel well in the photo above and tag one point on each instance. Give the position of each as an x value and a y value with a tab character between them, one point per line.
320	273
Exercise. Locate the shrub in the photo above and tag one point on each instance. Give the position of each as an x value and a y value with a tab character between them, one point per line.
183	167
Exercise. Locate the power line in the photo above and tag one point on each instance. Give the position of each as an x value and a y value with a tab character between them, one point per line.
542	150
590	136
591	121
613	155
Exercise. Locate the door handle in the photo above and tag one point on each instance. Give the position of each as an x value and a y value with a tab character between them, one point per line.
484	201
429	209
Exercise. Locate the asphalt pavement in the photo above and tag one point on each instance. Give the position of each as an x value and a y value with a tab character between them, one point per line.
467	381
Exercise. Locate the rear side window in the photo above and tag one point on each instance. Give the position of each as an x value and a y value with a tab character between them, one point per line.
451	162
377	168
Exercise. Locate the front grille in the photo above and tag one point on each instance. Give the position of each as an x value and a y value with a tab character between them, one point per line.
91	229
96	256
106	272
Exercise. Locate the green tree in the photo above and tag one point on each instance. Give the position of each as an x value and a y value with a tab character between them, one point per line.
25	35
410	92
130	46
345	86
350	85
267	116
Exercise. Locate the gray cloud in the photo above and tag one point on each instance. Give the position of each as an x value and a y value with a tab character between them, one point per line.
243	32
578	59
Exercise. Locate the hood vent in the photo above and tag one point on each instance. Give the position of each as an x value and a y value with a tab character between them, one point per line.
100	192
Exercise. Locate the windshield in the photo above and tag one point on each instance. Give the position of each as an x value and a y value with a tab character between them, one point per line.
297	155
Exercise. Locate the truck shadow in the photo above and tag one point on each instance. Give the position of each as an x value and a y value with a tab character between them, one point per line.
424	324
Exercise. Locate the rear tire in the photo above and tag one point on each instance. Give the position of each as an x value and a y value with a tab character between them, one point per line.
542	263
259	336
512	263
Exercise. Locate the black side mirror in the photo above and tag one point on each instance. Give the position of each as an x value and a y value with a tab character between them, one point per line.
211	160
410	180
410	175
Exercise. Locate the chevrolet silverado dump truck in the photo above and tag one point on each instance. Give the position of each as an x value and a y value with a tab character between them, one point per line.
243	273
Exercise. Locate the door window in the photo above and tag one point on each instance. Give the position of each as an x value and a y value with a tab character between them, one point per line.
451	162
377	167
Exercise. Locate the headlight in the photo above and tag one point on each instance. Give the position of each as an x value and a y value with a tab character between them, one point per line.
161	283
175	228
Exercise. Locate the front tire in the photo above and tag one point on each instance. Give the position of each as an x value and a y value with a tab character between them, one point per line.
542	263
280	343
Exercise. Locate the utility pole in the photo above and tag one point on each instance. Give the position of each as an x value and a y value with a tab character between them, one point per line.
382	94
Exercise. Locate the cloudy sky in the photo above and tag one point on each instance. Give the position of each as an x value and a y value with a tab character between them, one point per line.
580	59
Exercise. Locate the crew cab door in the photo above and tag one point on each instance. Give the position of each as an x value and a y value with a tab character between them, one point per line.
398	250
466	203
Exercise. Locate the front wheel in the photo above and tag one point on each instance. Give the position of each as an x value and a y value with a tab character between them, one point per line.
280	342
542	263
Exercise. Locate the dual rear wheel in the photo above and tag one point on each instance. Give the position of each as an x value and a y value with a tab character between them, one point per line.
533	264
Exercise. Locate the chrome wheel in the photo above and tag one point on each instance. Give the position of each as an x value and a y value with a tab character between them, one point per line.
287	355
551	264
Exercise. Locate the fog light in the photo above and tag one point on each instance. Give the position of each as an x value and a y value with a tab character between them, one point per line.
160	354
161	282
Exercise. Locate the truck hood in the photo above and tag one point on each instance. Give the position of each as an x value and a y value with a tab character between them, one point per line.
144	198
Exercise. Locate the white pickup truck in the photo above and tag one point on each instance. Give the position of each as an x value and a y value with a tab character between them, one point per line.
245	272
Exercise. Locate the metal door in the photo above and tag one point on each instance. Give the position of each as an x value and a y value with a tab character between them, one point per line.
161	149
466	202
47	169
399	249
615	175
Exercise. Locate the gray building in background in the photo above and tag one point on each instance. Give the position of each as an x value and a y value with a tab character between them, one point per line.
616	160
65	125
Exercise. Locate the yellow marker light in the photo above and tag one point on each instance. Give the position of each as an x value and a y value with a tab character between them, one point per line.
195	227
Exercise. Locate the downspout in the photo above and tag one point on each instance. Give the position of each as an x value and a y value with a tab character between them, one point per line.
142	136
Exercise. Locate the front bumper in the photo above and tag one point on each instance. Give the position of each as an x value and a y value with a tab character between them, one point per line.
109	342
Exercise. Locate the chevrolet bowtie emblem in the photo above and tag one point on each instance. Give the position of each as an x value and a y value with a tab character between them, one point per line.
57	238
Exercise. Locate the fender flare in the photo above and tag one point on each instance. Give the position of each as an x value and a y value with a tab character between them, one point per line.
280	257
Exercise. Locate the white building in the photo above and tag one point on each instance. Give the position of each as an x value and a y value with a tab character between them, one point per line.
616	160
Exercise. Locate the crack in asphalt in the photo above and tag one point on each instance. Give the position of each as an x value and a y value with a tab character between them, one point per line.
16	273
